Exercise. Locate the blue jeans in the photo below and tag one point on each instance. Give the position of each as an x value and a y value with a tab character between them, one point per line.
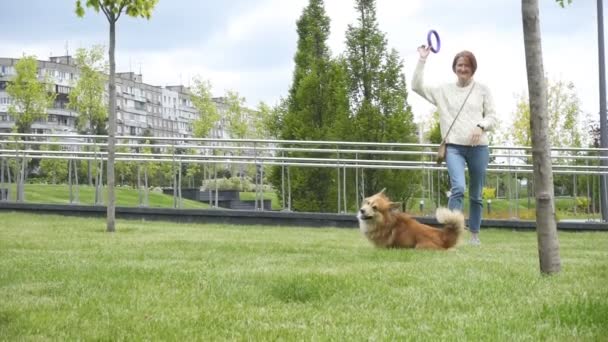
476	159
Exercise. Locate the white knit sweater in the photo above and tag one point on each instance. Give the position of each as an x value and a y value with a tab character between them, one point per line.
478	110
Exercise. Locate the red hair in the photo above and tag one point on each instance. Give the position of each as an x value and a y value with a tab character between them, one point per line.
469	56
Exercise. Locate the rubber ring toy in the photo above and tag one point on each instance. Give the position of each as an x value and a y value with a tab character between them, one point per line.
429	40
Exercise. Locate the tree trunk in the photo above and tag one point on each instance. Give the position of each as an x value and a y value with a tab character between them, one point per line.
111	130
546	227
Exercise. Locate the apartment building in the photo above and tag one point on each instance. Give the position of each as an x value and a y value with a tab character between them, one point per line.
142	109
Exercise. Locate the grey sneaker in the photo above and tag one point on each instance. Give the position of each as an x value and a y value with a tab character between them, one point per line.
474	241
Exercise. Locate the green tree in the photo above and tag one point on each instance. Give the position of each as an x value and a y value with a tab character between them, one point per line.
317	98
192	170
87	95
564	115
261	121
237	120
30	97
261	130
565	118
113	9
54	170
276	120
236	115
202	99
125	170
378	99
30	100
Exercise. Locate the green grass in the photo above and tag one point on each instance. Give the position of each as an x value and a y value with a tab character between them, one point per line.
507	209
64	278
129	197
125	196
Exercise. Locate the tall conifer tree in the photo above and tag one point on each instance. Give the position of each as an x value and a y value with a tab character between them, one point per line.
378	99
316	99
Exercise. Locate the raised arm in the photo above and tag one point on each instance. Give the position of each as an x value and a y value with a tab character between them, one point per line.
418	79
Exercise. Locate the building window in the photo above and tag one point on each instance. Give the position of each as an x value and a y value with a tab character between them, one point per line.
62	89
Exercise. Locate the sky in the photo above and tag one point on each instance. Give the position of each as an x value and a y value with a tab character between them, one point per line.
248	45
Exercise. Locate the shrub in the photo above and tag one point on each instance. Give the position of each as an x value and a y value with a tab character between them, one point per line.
488	193
232	183
582	203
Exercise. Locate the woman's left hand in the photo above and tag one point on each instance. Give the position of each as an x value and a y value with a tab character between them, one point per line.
476	136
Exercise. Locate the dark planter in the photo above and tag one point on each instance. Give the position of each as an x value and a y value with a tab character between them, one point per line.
222	195
3	194
248	205
188	193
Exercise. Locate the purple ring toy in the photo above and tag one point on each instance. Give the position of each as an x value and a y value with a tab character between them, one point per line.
430	41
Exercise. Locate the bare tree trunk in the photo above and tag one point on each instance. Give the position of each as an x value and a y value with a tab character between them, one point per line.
546	227
111	130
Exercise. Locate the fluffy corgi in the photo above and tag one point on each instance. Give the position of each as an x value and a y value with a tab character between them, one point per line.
385	226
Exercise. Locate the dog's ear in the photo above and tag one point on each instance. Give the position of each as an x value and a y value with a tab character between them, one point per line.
395	205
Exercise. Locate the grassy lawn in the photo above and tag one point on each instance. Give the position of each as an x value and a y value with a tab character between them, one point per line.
129	197
506	209
64	278
125	196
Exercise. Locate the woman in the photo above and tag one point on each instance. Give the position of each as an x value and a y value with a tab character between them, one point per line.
466	142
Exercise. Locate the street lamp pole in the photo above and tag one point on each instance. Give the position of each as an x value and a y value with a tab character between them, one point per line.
603	120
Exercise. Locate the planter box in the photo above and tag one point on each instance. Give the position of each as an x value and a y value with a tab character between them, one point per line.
222	195
229	199
3	194
188	193
249	205
196	194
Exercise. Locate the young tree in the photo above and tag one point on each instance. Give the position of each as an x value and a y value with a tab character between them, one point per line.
564	115
125	169
238	121
378	98
261	121
30	100
87	95
261	130
546	226
202	99
54	170
30	97
113	9
236	115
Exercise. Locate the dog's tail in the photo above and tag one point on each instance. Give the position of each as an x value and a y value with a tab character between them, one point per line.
453	225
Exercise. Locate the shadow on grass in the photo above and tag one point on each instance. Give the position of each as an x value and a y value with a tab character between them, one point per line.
304	288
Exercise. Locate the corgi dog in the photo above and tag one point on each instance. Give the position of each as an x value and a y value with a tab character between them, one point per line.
385	226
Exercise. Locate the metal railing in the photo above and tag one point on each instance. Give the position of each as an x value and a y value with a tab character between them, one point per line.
339	155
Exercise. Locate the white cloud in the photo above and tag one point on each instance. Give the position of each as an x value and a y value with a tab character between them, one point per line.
229	59
270	14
